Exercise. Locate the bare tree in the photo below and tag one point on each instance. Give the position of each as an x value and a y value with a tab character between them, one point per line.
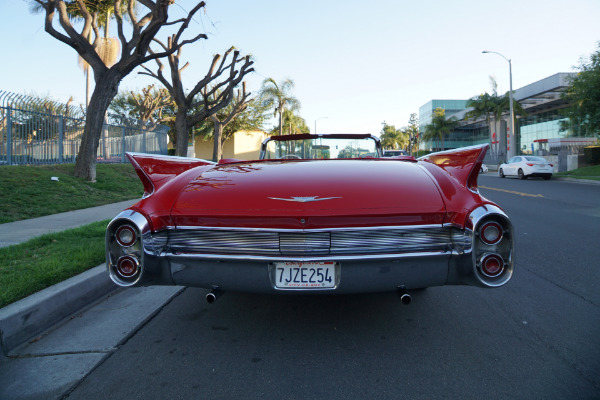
222	71
144	108
238	105
150	103
134	52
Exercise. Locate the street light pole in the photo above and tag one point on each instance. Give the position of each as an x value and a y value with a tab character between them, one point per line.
316	123
511	151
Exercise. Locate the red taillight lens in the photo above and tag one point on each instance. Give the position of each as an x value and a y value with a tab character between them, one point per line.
491	233
127	266
126	236
531	165
492	265
552	165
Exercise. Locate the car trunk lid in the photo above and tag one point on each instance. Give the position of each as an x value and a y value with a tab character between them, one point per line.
315	193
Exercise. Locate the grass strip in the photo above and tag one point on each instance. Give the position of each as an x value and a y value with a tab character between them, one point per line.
592	172
29	267
29	192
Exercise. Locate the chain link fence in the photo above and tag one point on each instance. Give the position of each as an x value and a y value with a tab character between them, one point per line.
37	131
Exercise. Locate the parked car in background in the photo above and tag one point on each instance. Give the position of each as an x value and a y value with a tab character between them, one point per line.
315	214
483	169
526	166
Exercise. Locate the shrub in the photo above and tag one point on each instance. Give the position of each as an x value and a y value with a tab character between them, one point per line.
592	155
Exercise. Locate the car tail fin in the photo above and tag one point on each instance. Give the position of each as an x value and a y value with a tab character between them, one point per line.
463	164
156	170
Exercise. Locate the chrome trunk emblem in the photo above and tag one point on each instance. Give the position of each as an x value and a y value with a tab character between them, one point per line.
305	199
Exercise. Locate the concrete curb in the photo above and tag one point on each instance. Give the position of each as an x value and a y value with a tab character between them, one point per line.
29	317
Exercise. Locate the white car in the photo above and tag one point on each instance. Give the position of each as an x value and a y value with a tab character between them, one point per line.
483	169
526	166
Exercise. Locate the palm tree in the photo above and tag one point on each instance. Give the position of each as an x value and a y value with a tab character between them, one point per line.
492	105
107	47
503	106
293	124
439	126
484	104
392	138
278	95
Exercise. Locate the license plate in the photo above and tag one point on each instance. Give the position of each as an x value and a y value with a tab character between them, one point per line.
305	275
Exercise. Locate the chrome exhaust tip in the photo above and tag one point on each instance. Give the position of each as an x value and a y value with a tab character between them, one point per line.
405	298
213	295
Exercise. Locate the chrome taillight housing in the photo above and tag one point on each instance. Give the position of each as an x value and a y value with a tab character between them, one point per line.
124	248
493	246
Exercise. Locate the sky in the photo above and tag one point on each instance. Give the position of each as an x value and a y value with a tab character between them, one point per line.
355	64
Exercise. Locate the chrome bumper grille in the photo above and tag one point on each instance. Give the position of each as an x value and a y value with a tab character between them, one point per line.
335	242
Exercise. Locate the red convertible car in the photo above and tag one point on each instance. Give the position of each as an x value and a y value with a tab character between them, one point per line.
315	214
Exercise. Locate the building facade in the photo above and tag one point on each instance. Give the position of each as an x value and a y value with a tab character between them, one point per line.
243	145
541	101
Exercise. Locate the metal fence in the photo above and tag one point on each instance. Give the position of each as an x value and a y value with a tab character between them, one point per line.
39	131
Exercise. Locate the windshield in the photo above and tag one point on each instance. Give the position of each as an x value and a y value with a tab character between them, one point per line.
319	148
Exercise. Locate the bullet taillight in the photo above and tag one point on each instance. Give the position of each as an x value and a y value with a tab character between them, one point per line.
491	233
492	265
126	236
128	266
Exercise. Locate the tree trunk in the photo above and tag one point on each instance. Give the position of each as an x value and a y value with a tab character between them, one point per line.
217	147
280	122
106	89
181	129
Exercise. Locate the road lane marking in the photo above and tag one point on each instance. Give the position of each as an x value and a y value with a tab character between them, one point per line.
512	191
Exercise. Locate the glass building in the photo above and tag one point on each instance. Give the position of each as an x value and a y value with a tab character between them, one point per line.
541	100
426	110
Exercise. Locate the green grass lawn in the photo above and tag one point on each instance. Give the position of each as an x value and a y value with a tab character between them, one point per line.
28	191
46	260
591	172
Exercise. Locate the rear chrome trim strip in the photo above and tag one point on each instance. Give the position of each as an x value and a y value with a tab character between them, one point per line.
353	229
249	258
295	243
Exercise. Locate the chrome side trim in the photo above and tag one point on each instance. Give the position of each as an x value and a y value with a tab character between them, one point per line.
360	228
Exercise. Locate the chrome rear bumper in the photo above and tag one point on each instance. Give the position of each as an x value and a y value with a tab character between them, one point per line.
242	259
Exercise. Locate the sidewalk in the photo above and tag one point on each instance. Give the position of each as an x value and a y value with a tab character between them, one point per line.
21	231
52	339
50	365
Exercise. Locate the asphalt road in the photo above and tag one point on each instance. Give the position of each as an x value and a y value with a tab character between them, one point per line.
538	337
